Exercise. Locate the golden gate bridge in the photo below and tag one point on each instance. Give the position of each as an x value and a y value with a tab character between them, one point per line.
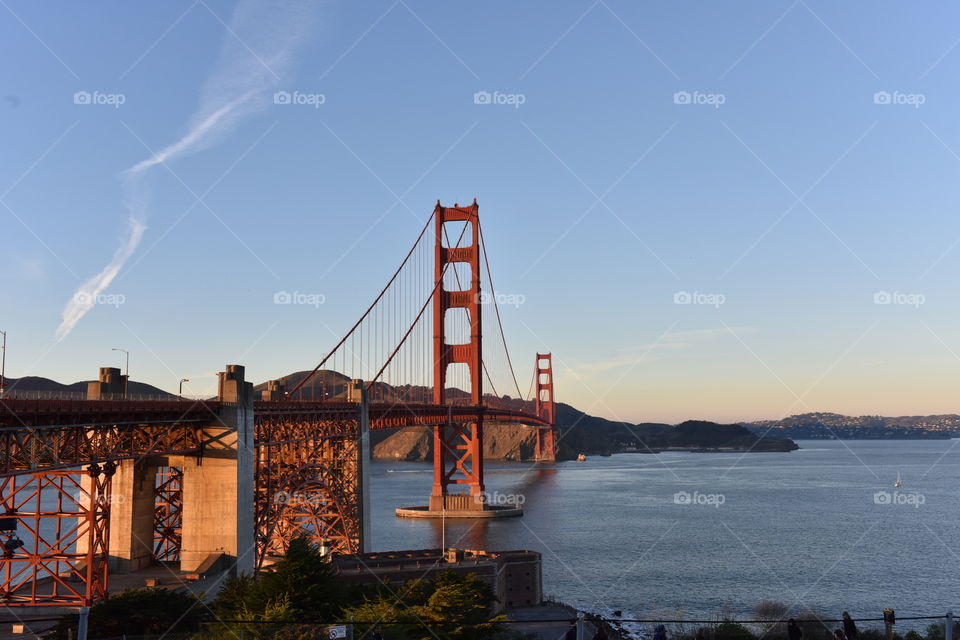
109	484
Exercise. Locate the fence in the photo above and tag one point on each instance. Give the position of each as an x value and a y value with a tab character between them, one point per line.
17	394
348	630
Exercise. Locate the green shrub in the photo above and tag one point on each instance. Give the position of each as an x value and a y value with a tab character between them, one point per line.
139	612
728	630
937	630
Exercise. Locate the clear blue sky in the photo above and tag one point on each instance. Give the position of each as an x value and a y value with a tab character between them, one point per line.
793	202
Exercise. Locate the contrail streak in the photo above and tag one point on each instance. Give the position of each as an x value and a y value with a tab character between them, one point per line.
255	57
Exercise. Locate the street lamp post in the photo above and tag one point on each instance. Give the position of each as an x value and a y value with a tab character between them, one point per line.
3	365
182	380
126	378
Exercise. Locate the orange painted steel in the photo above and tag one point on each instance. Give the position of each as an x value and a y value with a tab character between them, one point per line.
168	514
457	443
546	449
64	517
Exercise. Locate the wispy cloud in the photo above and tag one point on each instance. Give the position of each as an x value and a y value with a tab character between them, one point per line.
192	141
87	294
671	342
257	54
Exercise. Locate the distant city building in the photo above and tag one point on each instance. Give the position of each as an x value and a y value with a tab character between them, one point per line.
514	576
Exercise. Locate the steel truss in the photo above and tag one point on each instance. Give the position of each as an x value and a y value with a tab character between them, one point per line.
168	514
307	483
48	435
64	516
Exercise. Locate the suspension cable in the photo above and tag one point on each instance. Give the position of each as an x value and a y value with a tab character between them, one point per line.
433	292
369	309
489	379
496	308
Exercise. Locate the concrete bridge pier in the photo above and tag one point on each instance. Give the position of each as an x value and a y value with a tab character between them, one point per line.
131	516
131	499
218	491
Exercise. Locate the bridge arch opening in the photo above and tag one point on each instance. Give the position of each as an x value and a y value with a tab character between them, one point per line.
456	233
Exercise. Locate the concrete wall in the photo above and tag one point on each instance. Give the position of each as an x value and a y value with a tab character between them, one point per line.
514	576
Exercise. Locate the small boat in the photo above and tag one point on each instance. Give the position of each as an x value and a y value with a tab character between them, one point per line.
581	458
898	482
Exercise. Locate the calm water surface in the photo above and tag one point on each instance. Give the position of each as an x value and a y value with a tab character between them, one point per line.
805	527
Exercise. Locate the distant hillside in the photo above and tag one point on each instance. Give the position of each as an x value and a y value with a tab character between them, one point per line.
582	433
36	383
829	426
333	385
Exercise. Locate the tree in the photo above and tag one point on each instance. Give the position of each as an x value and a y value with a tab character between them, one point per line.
451	607
302	578
774	616
937	630
140	612
729	630
273	623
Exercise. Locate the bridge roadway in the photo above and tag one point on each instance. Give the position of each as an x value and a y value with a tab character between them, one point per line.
46	435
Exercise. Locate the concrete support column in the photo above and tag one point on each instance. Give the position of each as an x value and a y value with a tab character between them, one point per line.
131	516
131	506
218	492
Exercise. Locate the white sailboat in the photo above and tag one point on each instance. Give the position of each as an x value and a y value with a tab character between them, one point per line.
898	482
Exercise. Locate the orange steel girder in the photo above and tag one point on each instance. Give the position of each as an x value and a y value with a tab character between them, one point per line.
168	514
64	519
544	408
307	482
457	446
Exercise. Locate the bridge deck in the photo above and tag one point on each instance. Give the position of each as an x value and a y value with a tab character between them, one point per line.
19	414
40	435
